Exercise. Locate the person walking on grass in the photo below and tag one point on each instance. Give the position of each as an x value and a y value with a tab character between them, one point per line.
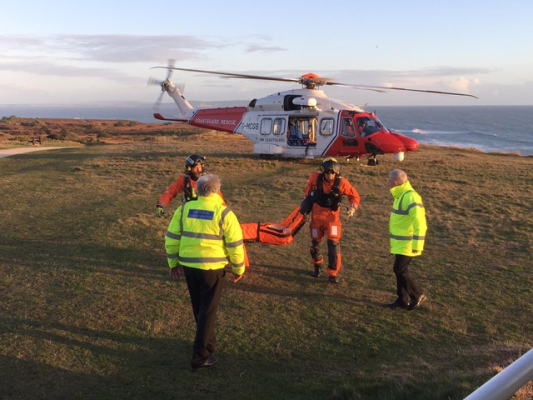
203	237
325	190
407	231
186	184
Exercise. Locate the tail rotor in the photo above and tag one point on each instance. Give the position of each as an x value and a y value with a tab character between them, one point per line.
163	84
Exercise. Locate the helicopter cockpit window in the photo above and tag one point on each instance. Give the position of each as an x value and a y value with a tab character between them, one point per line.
279	126
266	126
348	128
367	126
326	126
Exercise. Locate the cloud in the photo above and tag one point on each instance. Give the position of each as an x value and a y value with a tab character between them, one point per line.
447	71
267	49
463	84
113	48
67	71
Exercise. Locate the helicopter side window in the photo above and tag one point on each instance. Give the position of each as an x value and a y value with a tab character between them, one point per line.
279	126
348	128
326	126
266	126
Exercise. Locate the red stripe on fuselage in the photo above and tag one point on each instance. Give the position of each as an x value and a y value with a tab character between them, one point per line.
220	119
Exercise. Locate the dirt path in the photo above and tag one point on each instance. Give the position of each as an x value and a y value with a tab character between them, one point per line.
12	152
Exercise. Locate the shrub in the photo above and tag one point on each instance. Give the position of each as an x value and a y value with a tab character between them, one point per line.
34	122
65	135
12	120
103	134
126	123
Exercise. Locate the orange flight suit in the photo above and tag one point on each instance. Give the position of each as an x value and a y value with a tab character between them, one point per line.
176	188
325	221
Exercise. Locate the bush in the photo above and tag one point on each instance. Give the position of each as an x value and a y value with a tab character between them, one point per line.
34	122
65	135
126	123
103	134
12	120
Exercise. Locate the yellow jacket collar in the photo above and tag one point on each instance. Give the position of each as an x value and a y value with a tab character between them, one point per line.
397	191
214	198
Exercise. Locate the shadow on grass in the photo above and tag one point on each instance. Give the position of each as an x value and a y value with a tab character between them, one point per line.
296	283
105	259
123	365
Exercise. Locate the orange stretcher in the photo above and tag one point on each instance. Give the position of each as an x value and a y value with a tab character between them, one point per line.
272	233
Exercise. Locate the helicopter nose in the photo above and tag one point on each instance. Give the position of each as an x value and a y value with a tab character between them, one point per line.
408	143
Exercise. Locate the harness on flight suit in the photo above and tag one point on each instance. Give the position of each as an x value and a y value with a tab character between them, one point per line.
189	193
331	200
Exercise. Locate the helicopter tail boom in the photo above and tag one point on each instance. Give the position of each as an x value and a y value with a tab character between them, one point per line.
221	119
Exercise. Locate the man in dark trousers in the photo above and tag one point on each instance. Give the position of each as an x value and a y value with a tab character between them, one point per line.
203	237
407	229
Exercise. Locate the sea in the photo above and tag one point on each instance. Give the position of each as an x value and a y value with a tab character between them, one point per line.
507	129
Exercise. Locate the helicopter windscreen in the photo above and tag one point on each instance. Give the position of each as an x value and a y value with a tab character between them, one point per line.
368	126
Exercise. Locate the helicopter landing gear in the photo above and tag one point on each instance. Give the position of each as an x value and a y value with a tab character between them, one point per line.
349	158
372	160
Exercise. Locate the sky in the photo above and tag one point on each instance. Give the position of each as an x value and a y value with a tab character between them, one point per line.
59	52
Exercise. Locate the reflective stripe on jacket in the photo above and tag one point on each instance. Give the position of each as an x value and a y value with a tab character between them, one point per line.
205	234
407	225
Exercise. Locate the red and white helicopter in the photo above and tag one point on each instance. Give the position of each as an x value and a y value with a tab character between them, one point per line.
298	123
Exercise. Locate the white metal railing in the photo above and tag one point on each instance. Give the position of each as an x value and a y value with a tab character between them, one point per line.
507	382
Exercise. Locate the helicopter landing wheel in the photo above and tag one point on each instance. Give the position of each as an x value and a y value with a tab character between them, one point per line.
373	161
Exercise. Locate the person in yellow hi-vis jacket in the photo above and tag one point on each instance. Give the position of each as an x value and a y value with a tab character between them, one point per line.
203	237
407	231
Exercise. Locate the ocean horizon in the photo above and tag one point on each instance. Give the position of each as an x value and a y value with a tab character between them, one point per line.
507	129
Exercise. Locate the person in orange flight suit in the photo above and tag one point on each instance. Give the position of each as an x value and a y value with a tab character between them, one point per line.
325	189
186	184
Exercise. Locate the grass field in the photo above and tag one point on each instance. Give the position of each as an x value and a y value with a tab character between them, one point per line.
87	309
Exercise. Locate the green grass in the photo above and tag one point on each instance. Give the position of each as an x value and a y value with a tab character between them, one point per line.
87	309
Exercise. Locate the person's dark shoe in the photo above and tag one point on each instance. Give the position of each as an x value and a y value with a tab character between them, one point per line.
207	364
417	302
333	279
316	270
397	304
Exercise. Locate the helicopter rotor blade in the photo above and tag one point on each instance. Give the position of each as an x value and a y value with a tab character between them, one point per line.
161	84
312	81
231	74
157	103
170	68
154	81
385	88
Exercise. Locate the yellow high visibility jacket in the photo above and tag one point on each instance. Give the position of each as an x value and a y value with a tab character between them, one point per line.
407	225
205	234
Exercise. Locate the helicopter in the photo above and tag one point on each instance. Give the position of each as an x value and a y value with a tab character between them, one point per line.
297	123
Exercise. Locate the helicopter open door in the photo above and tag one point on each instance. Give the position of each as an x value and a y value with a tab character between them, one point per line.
302	131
